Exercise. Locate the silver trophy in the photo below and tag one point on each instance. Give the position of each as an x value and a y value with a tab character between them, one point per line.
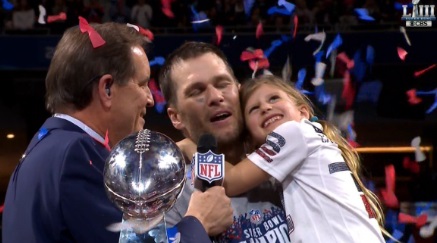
144	175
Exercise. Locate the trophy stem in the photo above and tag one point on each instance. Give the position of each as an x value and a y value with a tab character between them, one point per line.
140	230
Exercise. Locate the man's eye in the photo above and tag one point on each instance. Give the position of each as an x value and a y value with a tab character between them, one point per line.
194	92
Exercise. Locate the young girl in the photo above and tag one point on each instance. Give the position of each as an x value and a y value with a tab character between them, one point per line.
323	196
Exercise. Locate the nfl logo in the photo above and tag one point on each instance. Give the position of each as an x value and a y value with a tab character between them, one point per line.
255	216
209	166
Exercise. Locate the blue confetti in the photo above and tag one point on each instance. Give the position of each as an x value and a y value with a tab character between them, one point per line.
157	61
289	6
273	46
370	55
300	78
363	14
42	133
334	45
319	56
277	10
7	5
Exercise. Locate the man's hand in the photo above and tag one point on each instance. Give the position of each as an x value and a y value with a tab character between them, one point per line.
212	208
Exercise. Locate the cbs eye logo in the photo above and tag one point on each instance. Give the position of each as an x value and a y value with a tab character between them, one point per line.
419	23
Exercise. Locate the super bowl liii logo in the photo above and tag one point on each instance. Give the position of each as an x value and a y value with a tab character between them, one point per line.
420	16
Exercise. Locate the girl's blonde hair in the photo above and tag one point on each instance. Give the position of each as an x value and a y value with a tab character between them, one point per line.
349	154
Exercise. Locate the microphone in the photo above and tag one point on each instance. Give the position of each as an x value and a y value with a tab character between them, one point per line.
209	167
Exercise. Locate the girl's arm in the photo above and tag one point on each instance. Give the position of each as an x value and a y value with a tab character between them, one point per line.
242	177
239	178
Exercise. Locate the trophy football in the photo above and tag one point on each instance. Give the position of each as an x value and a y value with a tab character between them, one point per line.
143	176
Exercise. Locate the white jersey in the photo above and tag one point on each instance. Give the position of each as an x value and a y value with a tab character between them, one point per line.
322	200
256	218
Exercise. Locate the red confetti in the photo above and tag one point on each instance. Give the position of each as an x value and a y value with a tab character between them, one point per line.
91	163
157	94
402	53
166	8
410	165
344	58
348	93
147	33
259	30
388	194
96	39
296	22
419	221
248	55
418	73
1	208
262	63
219	33
54	18
106	144
412	98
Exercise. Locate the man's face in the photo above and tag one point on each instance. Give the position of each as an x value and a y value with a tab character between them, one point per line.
207	99
129	102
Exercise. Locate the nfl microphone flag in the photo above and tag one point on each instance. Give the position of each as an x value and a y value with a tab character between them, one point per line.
208	166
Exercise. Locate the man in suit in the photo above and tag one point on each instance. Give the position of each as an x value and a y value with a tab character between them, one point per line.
97	92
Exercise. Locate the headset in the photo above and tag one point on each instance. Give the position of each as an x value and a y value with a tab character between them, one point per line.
108	88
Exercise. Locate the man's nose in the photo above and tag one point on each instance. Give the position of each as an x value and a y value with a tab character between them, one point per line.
215	96
150	101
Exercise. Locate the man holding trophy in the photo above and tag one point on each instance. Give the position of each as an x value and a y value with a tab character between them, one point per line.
97	90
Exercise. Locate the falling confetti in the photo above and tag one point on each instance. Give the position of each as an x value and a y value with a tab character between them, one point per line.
402	53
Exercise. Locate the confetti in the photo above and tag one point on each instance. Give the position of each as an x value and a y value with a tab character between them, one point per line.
42	133
219	33
296	23
42	14
410	165
348	93
402	53
277	10
320	71
166	8
404	32
388	193
334	45
345	59
421	72
7	5
272	47
370	54
428	230
57	18
106	143
289	6
321	36
412	98
363	14
157	96
248	4
259	30
95	38
157	61
286	70
408	219
420	156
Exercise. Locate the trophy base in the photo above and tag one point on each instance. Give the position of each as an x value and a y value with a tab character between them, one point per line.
144	231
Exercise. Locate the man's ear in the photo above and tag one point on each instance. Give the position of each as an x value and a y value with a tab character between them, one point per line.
175	118
104	90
